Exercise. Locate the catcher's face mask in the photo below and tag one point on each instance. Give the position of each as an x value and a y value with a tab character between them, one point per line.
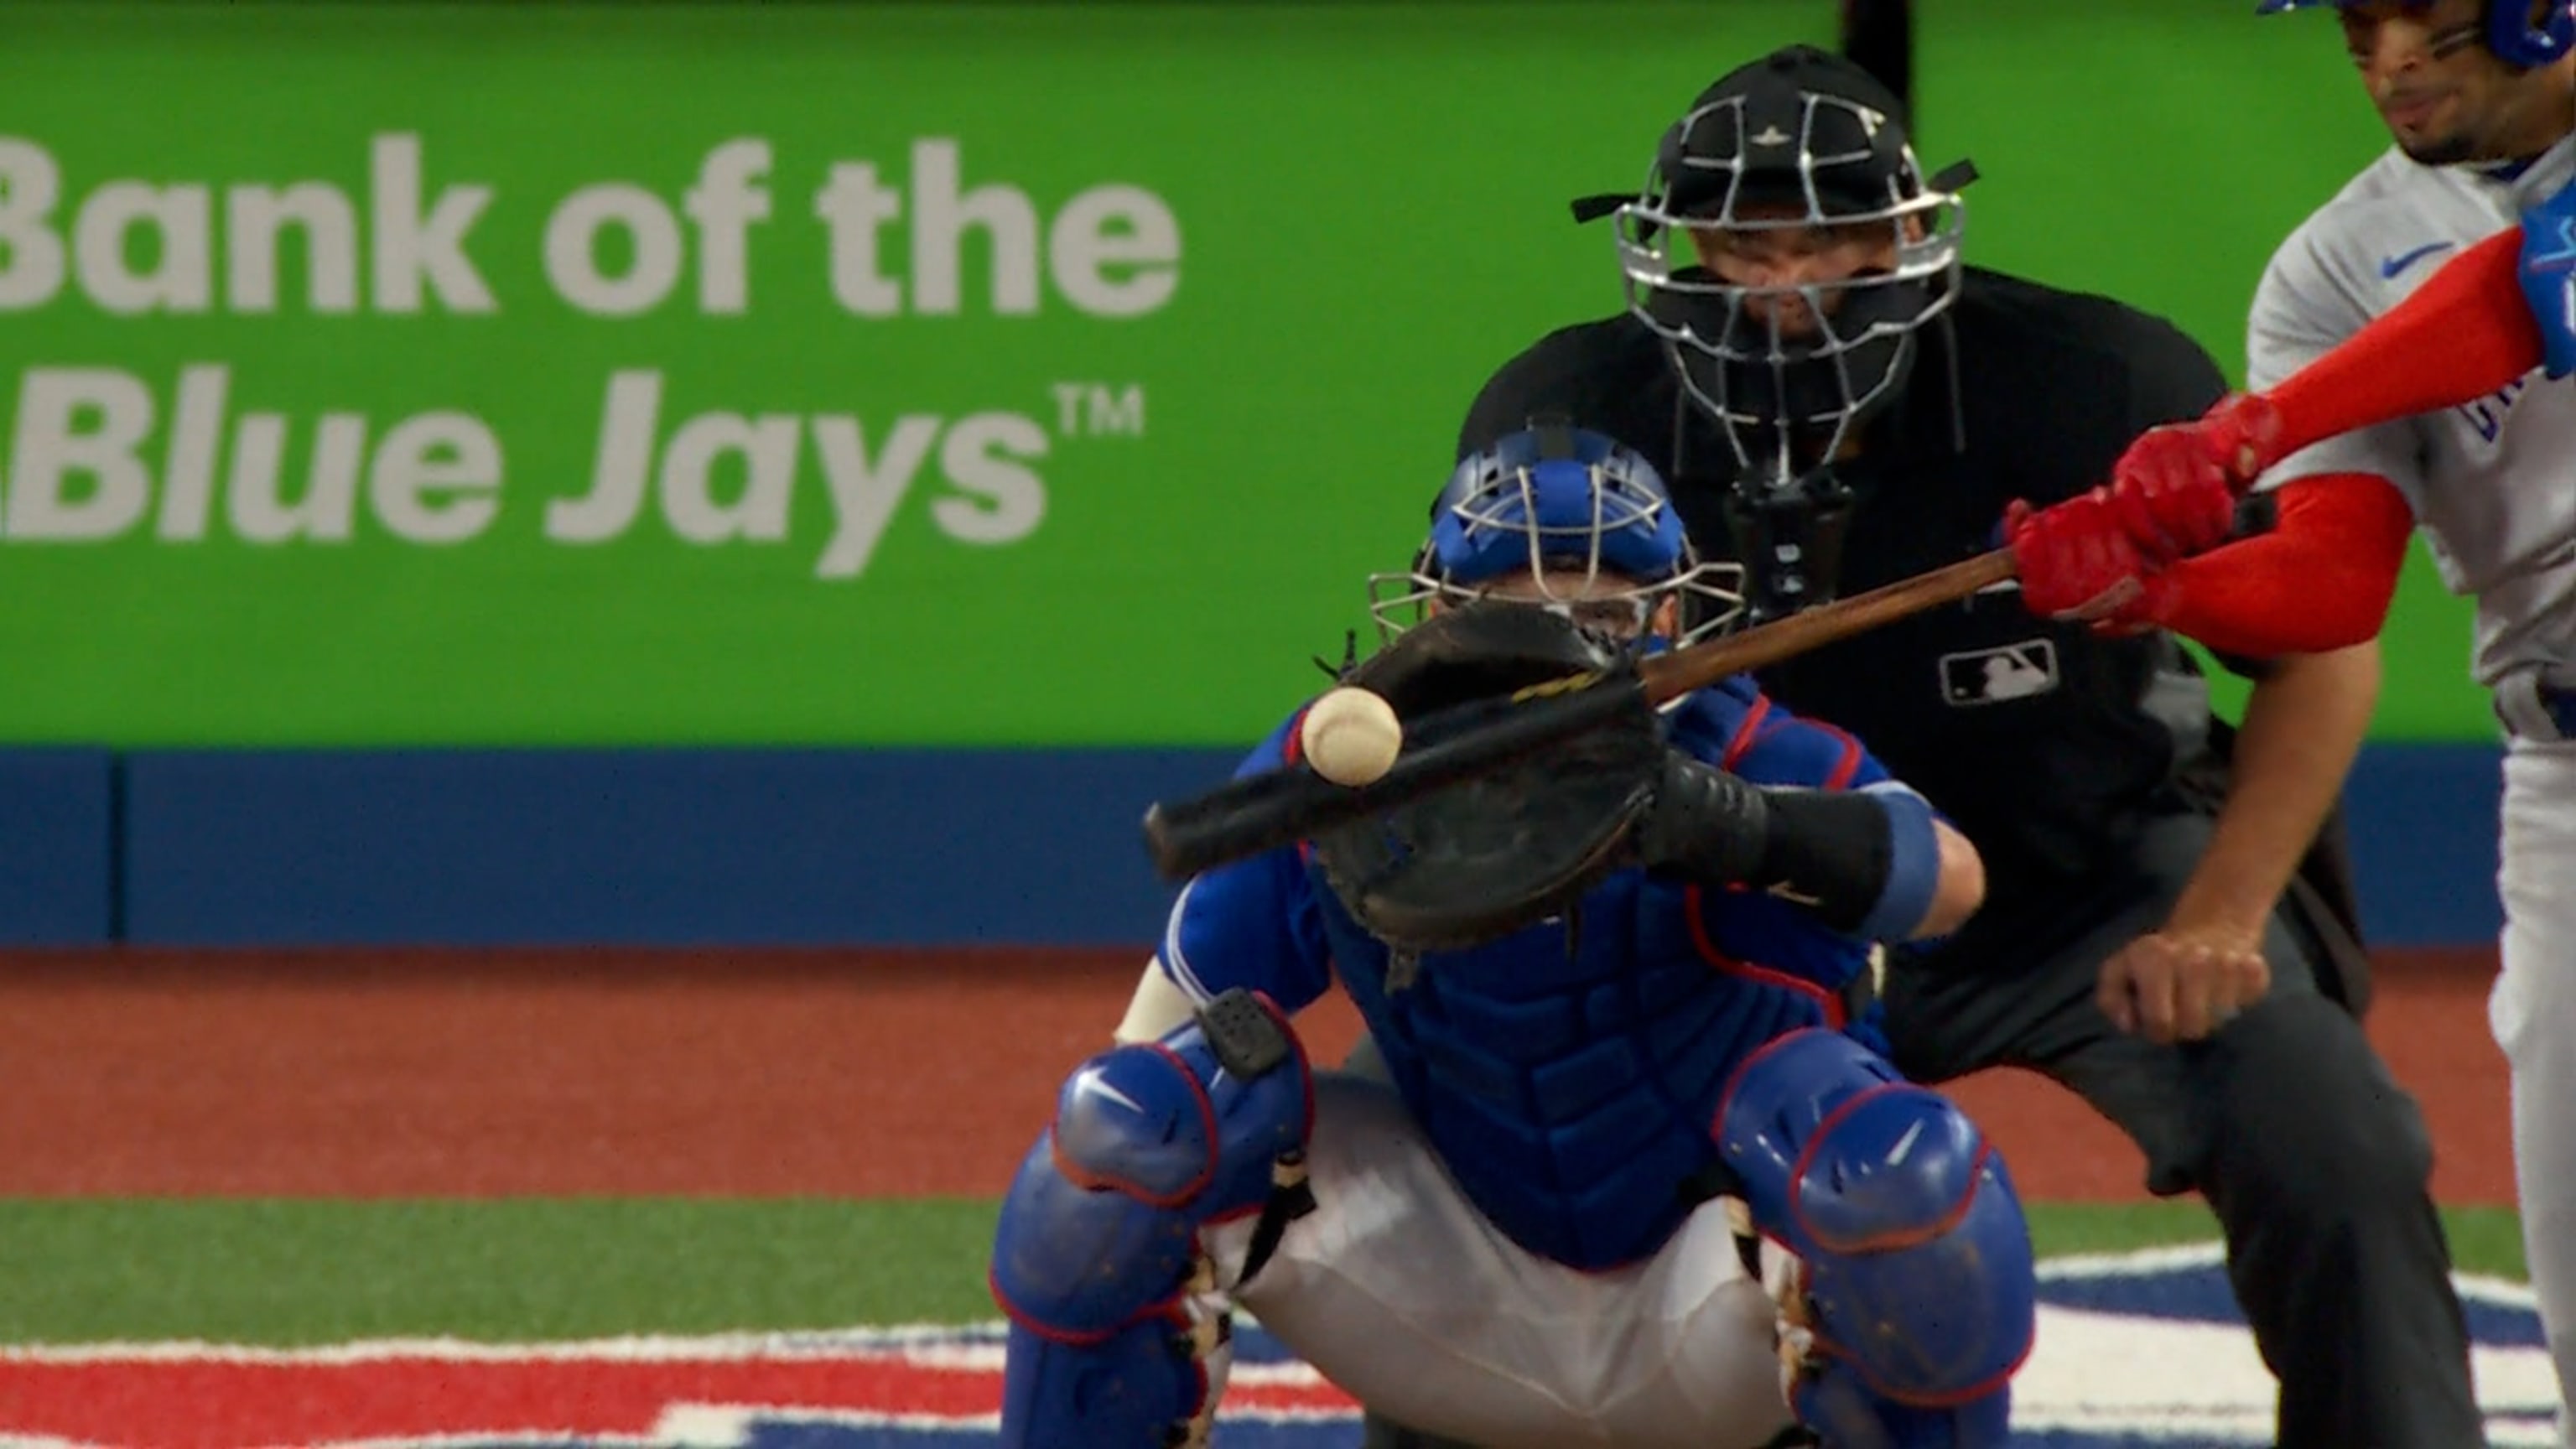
1604	605
1569	521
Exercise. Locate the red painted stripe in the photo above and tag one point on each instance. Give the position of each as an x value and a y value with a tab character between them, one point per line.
212	1404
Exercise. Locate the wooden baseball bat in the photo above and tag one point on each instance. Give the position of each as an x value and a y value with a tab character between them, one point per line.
1278	807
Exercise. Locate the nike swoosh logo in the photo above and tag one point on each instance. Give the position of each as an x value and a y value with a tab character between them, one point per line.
1792	894
1088	1083
2389	267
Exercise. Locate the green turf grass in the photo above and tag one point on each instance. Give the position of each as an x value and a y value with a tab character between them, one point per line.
321	1272
2483	1239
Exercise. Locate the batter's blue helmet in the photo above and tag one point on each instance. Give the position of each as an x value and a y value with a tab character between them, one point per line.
2510	31
1555	498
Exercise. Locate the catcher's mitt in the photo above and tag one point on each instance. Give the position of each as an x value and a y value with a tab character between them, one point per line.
1488	856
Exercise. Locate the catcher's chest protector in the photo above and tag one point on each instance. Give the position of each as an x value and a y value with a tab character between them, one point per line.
1570	1093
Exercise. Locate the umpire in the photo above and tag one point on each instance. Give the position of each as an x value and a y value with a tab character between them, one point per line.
1839	404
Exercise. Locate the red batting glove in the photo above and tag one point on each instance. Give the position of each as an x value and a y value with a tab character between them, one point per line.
2175	489
2077	561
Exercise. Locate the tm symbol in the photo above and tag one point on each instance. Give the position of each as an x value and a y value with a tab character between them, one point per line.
1099	410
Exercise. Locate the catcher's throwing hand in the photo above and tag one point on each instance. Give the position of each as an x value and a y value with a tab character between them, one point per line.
2180	985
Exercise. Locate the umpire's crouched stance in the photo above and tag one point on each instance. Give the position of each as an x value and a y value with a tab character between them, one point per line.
1839	404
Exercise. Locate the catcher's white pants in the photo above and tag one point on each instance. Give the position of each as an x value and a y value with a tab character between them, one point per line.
2533	1013
1403	1295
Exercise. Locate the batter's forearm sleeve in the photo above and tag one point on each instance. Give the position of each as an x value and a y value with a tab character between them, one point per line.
2465	333
2320	578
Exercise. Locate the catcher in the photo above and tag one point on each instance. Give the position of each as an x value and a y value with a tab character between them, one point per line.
1642	1176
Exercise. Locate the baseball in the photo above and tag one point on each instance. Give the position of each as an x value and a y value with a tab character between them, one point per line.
1351	736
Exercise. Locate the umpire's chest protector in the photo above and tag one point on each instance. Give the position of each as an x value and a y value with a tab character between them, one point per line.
2038	738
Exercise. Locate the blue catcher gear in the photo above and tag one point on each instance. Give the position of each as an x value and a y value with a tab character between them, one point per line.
1097	1258
1919	1296
1563	500
2510	32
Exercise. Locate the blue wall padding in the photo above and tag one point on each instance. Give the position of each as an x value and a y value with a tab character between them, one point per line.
651	847
57	846
823	847
2423	828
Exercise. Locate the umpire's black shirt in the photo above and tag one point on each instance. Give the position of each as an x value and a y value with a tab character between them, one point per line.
2041	741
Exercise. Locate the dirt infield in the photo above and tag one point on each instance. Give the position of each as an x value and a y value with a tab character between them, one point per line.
372	1074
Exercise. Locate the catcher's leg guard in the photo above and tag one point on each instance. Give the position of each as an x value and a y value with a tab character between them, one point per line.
1097	1259
1919	1292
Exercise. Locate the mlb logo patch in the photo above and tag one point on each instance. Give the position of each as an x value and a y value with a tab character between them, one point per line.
1994	676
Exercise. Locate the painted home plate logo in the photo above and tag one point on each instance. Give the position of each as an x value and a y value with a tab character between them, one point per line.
2136	1350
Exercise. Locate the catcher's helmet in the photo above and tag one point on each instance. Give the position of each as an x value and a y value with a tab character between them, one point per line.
1798	141
2510	31
1556	498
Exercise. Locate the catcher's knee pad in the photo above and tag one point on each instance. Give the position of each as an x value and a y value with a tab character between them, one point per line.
1097	1258
1919	1286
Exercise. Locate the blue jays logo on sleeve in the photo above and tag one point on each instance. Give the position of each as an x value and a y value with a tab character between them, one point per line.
2549	277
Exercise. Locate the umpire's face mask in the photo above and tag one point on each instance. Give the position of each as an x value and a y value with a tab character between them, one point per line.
1811	333
1787	250
1792	336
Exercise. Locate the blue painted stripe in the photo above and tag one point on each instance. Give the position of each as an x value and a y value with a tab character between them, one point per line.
825	847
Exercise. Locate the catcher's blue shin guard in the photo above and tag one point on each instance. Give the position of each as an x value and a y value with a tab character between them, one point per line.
1097	1259
1919	1292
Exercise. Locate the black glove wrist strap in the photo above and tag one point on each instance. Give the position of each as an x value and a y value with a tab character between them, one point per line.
1707	823
1831	851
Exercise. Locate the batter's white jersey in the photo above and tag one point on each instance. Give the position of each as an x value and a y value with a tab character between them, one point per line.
2493	484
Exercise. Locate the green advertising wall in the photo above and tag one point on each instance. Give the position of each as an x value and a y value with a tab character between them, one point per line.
948	374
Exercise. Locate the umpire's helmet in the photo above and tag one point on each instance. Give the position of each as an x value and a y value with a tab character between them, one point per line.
1799	140
2511	32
